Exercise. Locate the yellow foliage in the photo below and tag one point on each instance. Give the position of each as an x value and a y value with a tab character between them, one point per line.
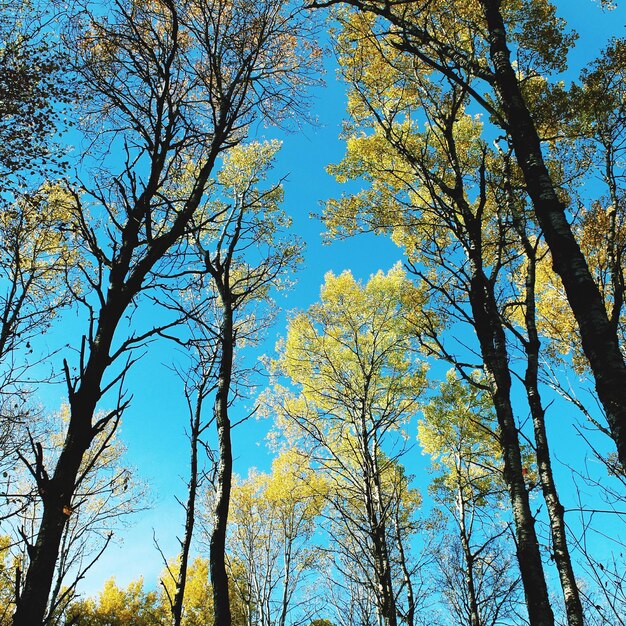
198	598
119	607
459	432
356	345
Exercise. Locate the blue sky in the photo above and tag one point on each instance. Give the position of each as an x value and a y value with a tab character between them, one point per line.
153	428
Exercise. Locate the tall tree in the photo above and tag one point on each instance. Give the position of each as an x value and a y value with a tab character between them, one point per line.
528	335
359	382
247	256
469	44
198	379
458	431
172	86
433	189
274	519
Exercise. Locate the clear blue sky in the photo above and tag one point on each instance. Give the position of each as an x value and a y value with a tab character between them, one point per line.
153	428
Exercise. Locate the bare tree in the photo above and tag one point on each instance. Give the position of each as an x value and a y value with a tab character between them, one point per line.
170	88
198	383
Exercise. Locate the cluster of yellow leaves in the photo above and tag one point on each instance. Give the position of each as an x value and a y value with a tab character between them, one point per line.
354	347
119	607
246	164
37	237
459	432
198	599
291	492
134	606
541	36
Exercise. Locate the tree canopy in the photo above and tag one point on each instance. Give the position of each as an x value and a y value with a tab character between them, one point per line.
415	416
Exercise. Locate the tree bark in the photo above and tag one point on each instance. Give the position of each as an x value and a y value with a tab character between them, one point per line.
599	339
190	509
217	549
494	353
562	558
467	554
409	617
386	600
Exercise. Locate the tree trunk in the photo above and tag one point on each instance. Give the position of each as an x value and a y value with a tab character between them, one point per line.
284	605
599	339
386	600
57	496
190	511
217	561
57	492
494	353
409	617
467	554
573	605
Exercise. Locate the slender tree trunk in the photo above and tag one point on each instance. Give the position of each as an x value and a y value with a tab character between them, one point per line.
409	618
282	620
573	605
494	353
217	550
469	557
386	600
599	339
190	510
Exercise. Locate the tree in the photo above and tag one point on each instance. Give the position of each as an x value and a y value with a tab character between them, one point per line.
435	186
198	379
246	257
351	569
358	382
528	336
172	86
468	44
